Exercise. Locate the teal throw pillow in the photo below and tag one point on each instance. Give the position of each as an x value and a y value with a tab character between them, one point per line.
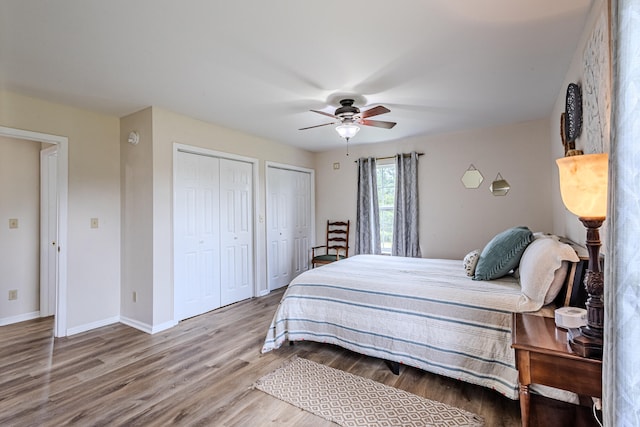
502	254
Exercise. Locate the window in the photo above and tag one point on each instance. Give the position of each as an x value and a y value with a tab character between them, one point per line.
386	180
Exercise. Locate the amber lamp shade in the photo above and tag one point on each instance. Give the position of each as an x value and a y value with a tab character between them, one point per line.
583	185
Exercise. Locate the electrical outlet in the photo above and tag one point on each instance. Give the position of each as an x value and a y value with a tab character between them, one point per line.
13	222
336	166
94	222
13	294
135	296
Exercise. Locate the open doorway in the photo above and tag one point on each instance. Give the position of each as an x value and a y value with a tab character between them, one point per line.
55	174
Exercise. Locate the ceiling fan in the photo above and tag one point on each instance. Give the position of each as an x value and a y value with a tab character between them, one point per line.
350	117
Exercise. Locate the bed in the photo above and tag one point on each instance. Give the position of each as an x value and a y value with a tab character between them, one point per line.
426	313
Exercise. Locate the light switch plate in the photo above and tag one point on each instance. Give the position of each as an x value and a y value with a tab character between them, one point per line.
94	222
13	222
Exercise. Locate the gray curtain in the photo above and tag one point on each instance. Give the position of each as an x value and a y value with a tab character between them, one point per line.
368	217
405	216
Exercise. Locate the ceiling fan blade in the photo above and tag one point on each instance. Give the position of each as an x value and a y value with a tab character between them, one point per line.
375	111
317	126
377	123
325	114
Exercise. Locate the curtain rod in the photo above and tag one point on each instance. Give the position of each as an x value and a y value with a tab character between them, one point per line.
393	157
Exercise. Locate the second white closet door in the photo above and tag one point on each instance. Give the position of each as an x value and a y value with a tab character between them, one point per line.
288	225
236	231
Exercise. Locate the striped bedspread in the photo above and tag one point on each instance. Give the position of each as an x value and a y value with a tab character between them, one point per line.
421	312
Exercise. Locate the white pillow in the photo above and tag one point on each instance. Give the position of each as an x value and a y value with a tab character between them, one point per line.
556	284
538	266
470	261
541	235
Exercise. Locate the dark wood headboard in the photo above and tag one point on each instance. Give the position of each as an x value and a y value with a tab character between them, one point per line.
573	292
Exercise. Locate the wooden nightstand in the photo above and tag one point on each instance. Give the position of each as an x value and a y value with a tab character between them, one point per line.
543	356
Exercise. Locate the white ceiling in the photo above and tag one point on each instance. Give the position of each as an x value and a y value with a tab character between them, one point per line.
259	66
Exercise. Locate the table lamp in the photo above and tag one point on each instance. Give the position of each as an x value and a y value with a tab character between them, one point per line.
583	186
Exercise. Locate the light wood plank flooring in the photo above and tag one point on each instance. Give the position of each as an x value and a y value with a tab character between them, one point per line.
197	373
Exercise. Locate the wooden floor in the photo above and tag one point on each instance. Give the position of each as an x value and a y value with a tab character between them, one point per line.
197	373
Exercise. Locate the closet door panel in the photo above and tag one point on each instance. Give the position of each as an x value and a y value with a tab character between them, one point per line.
288	224
197	236
236	209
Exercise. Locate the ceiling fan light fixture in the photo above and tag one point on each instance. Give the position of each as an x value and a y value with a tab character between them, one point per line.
347	130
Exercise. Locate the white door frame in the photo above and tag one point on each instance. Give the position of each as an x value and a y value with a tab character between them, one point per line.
62	142
312	196
222	155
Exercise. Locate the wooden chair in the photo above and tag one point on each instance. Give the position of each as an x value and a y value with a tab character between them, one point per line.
337	246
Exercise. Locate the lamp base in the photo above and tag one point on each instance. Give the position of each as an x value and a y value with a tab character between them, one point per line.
584	343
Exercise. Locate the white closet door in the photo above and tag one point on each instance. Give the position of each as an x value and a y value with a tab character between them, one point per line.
48	230
302	231
288	225
197	236
236	230
280	230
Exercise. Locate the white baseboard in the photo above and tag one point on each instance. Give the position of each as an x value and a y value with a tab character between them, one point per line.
93	325
141	326
145	327
19	318
163	326
264	292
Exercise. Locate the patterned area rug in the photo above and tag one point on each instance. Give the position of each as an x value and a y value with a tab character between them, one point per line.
349	400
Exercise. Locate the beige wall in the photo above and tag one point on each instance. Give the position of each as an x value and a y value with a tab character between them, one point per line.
93	255
136	184
564	222
20	247
454	220
168	128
